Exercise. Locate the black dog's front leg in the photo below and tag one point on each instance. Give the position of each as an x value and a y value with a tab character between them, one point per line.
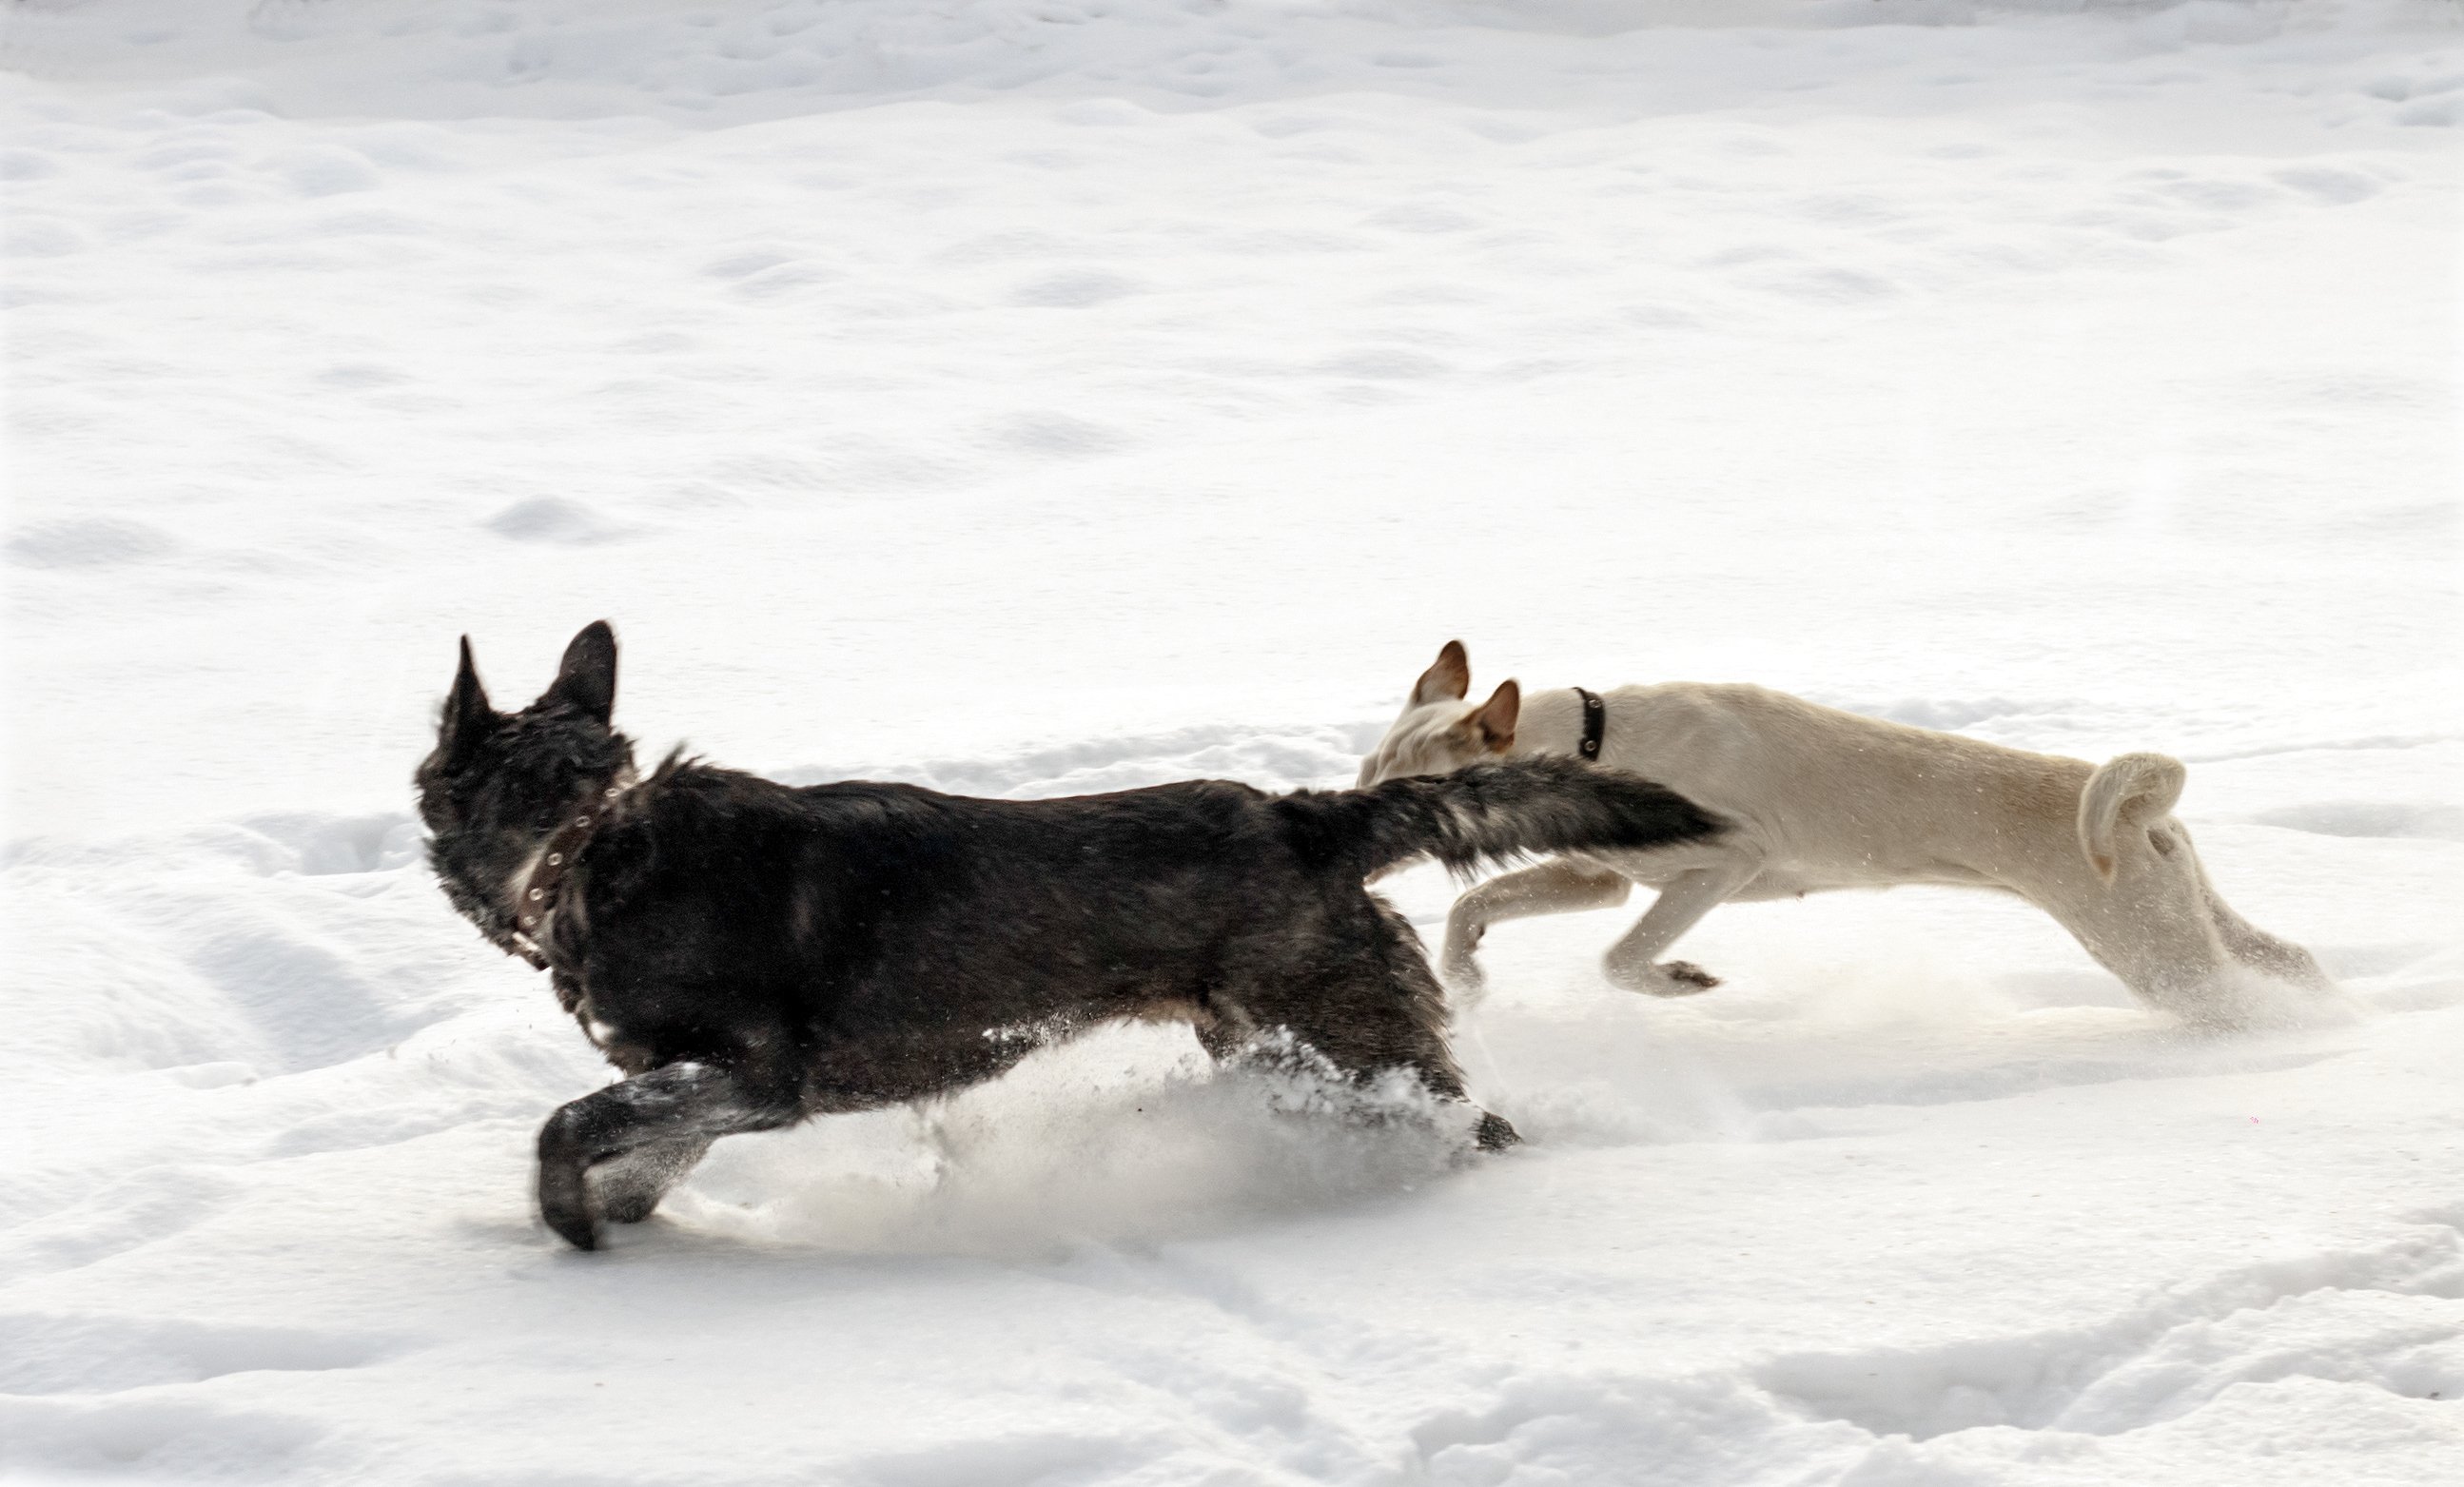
651	1118
627	1188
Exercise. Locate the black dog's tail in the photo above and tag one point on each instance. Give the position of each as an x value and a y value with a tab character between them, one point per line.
1493	812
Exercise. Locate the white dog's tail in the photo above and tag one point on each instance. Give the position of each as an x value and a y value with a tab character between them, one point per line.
2129	790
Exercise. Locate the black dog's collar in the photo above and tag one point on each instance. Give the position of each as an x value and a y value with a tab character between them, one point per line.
1596	723
535	898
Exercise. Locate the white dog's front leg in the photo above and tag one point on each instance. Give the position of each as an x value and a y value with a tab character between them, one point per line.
1558	888
1631	963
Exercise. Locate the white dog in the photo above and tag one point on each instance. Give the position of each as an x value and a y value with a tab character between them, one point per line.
1827	799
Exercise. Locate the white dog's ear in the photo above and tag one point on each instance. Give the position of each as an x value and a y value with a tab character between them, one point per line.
2127	790
1494	723
1448	681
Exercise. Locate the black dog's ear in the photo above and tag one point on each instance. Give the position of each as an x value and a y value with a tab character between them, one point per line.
586	677
468	717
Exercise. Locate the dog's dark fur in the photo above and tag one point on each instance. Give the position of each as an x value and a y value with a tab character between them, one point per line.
751	954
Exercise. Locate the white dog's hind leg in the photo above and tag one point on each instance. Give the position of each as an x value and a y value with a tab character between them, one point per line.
1558	888
1631	962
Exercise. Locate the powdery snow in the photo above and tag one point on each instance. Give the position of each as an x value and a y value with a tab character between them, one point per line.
1040	396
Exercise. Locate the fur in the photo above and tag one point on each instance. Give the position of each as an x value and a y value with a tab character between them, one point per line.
1823	799
750	955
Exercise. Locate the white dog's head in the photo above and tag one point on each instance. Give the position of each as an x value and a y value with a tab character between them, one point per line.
1439	732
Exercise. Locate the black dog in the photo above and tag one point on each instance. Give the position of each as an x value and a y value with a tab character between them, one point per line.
751	954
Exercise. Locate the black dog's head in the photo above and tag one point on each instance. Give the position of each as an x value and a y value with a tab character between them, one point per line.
499	783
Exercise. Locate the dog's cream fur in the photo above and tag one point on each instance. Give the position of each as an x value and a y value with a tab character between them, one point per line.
1826	799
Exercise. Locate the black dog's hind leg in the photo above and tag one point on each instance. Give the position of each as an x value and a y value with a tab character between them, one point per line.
644	1124
1381	1009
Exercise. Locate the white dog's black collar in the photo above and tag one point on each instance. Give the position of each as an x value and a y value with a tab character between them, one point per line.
1596	723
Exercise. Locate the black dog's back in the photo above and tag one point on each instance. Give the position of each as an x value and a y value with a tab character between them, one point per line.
754	953
723	900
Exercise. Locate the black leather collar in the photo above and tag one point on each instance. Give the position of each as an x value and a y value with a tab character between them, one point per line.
534	897
1596	724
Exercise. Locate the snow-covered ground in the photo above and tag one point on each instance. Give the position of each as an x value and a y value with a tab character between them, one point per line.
1036	396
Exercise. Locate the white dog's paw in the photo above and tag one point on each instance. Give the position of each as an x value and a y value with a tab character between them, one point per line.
1462	978
1466	984
1668	978
1457	968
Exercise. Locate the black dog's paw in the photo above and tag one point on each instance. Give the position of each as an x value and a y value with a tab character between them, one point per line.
629	1208
566	1207
625	1192
573	1225
1495	1133
564	1196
